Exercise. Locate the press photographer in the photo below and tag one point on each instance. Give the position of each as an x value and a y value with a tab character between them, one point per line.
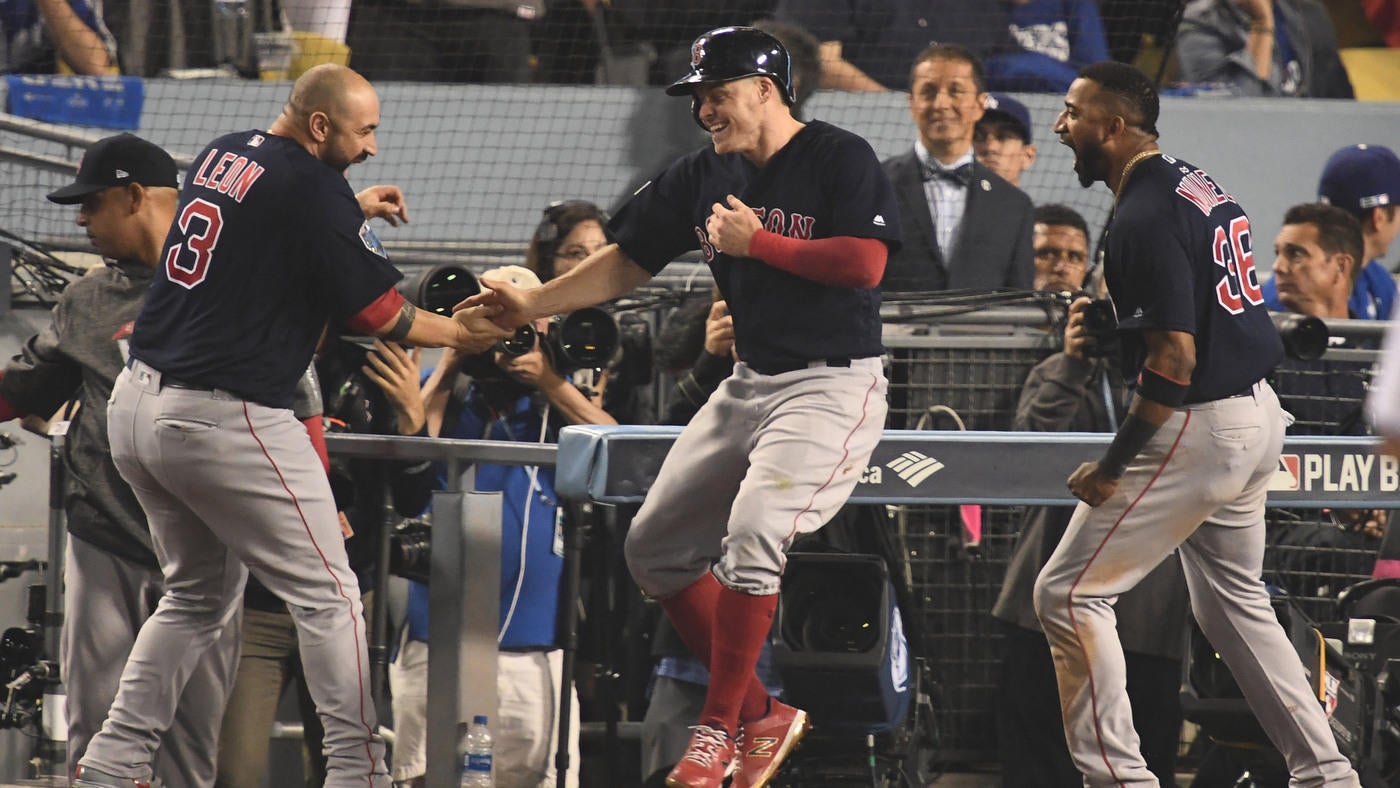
529	397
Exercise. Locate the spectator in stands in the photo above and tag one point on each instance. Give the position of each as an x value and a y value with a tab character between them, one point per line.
671	25
1384	16
36	35
1075	391
1262	48
867	44
1002	138
1129	23
1365	180
964	226
1053	40
362	391
443	40
126	189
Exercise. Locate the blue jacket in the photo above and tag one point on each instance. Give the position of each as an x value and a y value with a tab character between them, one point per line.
528	511
1054	39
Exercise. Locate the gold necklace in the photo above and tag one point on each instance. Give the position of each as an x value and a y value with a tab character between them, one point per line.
1128	170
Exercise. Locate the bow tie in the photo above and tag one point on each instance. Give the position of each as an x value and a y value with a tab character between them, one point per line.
961	175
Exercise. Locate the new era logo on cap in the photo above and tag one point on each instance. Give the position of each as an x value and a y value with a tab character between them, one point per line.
118	161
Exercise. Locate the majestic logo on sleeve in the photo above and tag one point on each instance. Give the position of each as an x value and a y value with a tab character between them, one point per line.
774	220
371	241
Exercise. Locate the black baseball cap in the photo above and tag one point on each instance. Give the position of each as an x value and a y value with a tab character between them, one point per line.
1002	107
117	161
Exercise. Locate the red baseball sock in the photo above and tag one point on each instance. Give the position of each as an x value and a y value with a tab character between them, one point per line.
692	613
733	654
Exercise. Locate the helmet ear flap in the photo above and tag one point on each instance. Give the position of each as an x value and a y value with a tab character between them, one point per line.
695	111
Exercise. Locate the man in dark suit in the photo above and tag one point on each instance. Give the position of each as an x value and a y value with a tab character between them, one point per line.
964	226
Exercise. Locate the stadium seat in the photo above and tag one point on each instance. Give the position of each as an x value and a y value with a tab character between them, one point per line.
313	50
1374	72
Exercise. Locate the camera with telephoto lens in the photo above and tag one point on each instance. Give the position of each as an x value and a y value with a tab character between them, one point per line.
410	550
1304	337
583	339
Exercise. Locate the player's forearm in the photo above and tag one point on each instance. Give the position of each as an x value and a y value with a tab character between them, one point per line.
575	406
79	45
607	274
843	261
838	73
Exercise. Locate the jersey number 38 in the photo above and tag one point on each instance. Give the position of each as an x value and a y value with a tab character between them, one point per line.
1234	251
187	262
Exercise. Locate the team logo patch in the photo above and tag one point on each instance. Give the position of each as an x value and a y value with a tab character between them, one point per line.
371	241
697	53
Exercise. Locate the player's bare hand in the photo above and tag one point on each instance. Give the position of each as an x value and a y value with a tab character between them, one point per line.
398	373
1261	11
384	202
1090	485
719	330
511	307
1079	343
731	228
482	329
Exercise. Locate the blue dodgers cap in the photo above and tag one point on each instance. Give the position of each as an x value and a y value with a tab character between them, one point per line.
1359	177
1009	109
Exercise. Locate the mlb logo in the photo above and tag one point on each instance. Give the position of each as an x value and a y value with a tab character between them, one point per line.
1288	473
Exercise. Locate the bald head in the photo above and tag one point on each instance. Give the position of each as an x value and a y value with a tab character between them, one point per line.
333	113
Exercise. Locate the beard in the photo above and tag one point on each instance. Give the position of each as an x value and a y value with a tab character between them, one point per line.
1092	164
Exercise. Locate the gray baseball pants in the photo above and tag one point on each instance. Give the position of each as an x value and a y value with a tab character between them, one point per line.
767	458
1198	486
227	483
107	599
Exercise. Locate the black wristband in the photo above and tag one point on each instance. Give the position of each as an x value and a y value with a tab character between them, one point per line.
1127	444
1161	389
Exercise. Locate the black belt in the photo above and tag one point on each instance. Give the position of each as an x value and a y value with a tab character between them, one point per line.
792	366
166	381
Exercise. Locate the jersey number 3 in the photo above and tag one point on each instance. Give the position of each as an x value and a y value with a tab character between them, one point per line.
200	223
1234	251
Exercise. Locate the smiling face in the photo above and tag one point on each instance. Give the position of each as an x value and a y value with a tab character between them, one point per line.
350	129
586	238
946	105
1083	126
733	112
1309	280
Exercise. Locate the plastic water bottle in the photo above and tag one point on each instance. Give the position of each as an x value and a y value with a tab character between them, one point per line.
476	766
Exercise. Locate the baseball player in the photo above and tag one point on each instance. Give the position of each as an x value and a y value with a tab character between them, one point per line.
1190	465
796	221
268	245
126	191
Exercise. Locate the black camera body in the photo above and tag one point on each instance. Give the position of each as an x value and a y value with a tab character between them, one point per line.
583	339
1101	324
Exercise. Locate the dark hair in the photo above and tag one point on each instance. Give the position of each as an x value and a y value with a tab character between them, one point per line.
952	52
1338	231
1061	216
804	50
1130	86
560	218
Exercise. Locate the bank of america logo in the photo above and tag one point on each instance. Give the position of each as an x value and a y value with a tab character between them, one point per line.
914	467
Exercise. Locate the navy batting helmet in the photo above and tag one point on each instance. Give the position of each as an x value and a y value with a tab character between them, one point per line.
729	53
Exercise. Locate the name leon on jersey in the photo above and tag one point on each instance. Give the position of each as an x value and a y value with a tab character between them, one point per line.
227	173
774	220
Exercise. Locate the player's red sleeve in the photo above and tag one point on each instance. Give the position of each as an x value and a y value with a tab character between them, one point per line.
316	428
843	261
367	320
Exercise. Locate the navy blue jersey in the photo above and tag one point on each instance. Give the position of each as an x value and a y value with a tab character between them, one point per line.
268	244
1179	256
826	182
